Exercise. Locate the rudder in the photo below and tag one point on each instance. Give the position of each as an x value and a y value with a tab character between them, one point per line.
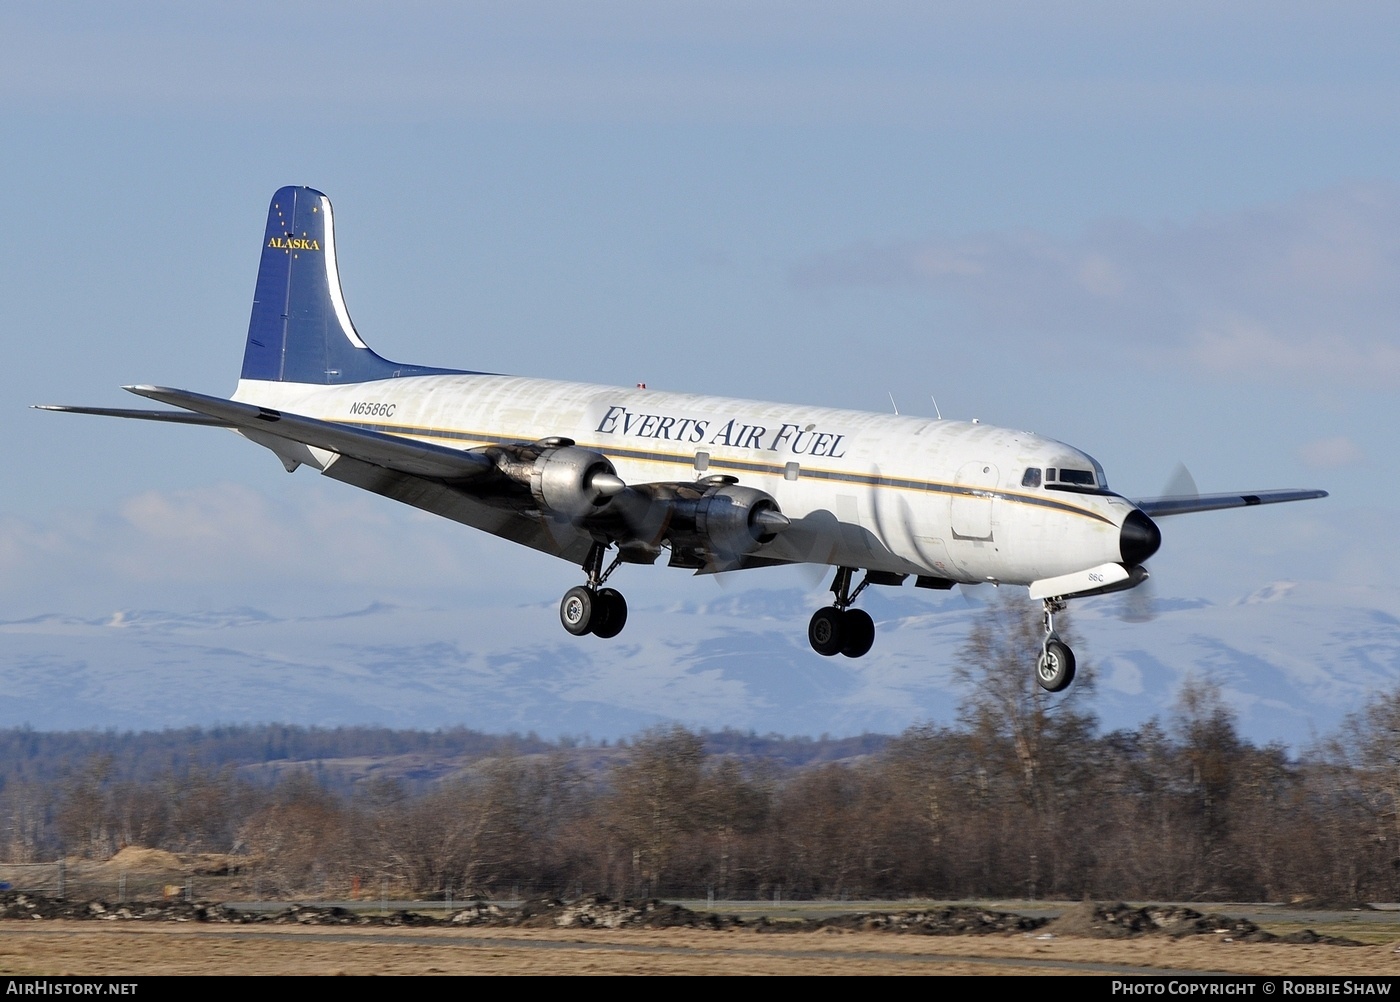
300	329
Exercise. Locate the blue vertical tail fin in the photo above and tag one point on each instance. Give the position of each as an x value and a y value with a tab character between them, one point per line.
300	330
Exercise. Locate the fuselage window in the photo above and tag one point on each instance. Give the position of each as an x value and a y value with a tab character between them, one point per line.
1032	477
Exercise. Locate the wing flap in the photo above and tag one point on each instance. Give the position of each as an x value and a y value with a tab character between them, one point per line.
421	459
1160	507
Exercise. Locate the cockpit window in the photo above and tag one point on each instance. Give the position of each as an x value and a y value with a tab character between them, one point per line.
1065	478
1032	477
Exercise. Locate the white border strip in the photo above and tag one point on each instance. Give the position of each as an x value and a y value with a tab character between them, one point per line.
333	279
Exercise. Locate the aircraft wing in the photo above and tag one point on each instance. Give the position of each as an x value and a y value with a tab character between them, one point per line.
426	476
174	417
547	495
1158	507
391	452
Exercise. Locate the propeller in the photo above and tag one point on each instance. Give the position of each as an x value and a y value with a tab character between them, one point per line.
1139	605
1181	484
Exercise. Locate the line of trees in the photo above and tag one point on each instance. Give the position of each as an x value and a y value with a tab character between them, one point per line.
1021	796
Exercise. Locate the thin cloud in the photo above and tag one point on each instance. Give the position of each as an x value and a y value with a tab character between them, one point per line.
1331	453
1307	290
231	534
899	62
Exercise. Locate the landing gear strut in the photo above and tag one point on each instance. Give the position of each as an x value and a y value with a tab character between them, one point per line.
591	608
1054	668
839	629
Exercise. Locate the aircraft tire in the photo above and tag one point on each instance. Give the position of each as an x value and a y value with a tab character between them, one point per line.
1054	668
825	631
578	611
858	633
610	613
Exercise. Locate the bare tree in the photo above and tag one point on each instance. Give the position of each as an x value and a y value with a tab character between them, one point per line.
732	810
1002	706
300	840
85	819
1363	767
1034	740
24	812
654	801
1210	752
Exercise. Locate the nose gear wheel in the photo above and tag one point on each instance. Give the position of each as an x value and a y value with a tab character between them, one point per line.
1054	668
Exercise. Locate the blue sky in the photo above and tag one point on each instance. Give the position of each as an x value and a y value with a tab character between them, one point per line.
1163	233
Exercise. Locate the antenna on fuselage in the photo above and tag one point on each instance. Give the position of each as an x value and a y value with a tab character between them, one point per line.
935	407
892	403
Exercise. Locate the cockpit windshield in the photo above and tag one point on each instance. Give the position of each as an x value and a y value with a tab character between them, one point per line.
1075	477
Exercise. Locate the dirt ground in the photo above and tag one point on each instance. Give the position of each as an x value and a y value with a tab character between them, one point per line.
127	949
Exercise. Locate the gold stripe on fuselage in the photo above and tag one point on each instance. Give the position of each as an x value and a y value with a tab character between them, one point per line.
744	465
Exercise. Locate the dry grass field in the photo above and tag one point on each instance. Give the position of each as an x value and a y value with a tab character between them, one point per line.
129	949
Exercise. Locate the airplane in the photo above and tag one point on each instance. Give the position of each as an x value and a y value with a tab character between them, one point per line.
716	484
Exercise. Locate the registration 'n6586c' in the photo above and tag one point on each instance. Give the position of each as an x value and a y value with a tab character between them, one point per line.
370	408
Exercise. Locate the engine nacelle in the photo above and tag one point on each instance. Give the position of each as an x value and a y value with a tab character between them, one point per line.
562	480
726	522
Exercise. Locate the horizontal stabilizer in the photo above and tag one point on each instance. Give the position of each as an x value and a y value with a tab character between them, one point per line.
1157	507
389	451
174	417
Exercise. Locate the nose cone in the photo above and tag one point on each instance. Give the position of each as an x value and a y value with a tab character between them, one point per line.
1139	538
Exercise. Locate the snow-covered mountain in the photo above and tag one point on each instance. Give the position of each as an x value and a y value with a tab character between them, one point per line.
1292	659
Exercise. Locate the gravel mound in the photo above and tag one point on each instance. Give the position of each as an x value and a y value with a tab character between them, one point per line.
1095	921
597	911
1098	920
953	921
20	905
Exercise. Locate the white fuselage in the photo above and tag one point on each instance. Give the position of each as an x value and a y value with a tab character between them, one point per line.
946	499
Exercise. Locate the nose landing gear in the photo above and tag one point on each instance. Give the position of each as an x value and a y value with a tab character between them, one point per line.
1054	668
839	629
591	608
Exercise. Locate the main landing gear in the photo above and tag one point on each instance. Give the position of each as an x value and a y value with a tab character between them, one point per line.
839	629
1054	668
591	608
